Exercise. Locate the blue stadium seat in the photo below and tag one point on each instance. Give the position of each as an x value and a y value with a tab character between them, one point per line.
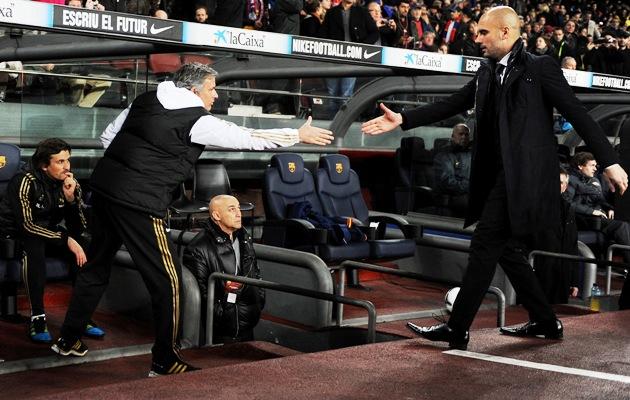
286	182
339	191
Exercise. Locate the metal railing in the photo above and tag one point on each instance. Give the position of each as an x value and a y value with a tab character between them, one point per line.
608	262
609	255
412	275
368	306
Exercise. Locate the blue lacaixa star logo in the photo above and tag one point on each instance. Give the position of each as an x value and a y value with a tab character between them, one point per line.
409	58
219	36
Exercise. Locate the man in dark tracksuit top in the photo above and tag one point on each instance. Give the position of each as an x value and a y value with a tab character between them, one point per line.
38	199
151	148
514	171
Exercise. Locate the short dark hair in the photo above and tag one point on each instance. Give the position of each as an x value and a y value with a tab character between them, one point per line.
581	158
46	149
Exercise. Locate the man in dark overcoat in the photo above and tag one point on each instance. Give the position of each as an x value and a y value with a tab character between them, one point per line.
514	172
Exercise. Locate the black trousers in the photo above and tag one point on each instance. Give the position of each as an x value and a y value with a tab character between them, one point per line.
493	242
34	251
152	252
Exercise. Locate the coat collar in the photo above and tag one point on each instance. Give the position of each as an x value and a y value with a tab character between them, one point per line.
516	63
218	235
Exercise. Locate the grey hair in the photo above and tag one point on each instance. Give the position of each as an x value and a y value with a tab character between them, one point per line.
192	75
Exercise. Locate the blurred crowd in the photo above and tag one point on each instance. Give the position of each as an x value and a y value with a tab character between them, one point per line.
581	34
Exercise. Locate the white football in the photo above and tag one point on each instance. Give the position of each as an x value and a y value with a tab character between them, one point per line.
450	297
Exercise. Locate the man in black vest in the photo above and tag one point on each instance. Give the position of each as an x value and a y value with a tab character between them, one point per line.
225	246
150	149
514	174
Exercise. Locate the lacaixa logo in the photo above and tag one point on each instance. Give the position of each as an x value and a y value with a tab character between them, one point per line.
248	39
7	12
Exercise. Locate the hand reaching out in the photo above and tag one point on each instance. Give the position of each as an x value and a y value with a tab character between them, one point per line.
385	123
313	135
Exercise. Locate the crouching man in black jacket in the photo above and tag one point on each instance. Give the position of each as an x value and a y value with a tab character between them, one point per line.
225	246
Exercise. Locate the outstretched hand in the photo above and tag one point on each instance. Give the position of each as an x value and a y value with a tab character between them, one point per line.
618	177
385	123
313	135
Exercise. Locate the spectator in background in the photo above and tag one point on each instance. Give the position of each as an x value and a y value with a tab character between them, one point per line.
589	196
201	14
428	42
561	48
467	45
388	32
402	25
591	26
419	24
568	63
312	23
226	13
351	23
570	34
451	31
115	5
286	16
9	79
451	168
254	14
140	7
223	245
542	47
160	14
285	19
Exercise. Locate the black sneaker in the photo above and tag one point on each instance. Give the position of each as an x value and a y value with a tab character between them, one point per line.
64	348
170	368
38	329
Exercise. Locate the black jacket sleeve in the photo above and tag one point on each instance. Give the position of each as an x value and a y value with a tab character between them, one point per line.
22	201
197	261
460	101
561	96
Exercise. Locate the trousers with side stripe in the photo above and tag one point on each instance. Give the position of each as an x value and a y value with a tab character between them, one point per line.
153	254
34	251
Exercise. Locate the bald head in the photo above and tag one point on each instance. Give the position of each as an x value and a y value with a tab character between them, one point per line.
499	29
226	213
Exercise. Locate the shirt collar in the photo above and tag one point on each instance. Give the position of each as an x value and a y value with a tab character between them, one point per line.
505	59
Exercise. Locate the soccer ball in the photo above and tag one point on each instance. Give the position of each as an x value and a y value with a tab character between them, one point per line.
450	297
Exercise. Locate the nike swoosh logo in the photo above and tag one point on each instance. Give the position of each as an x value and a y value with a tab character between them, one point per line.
368	55
155	31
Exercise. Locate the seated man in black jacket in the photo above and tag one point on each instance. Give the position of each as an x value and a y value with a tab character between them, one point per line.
451	167
225	246
39	200
589	194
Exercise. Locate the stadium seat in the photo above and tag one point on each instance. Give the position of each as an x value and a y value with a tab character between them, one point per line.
339	191
9	260
211	179
164	65
286	182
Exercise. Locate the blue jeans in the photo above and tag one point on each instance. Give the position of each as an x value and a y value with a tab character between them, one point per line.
342	87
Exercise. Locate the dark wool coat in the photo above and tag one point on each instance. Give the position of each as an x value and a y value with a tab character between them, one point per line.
524	110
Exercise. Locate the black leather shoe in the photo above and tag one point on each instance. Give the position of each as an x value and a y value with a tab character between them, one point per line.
442	333
548	330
